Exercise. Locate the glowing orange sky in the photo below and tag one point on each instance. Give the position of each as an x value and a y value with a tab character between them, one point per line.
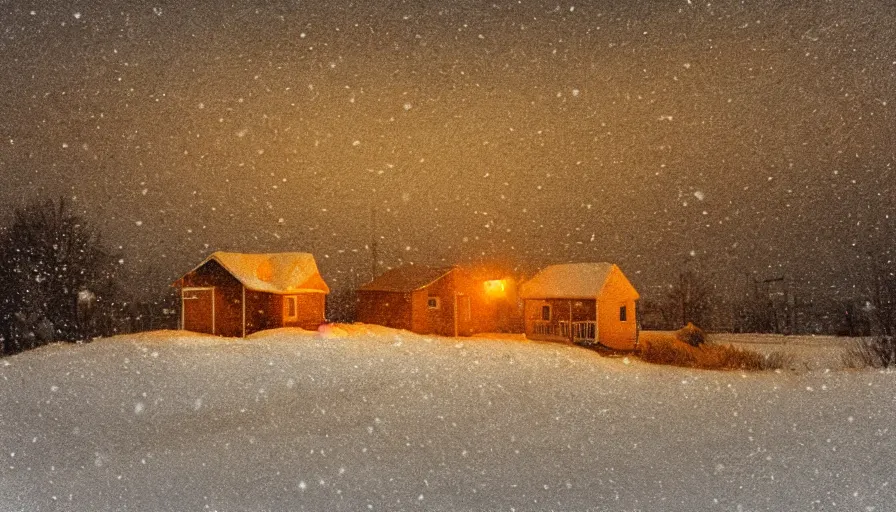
738	139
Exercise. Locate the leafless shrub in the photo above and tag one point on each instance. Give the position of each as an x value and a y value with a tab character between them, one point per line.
874	352
778	360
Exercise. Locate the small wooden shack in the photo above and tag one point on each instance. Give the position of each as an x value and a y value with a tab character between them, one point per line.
581	303
447	301
235	294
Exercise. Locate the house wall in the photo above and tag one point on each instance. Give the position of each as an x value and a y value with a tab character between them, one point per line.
228	296
391	309
196	310
261	312
618	292
419	322
441	321
310	309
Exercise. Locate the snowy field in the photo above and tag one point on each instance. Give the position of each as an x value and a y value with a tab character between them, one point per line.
385	420
808	352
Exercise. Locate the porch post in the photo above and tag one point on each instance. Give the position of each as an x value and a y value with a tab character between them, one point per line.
572	334
455	314
182	308
213	310
244	311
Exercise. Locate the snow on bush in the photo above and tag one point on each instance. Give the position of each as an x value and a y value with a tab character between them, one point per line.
691	334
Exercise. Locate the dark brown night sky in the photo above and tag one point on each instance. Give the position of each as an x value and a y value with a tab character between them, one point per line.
737	139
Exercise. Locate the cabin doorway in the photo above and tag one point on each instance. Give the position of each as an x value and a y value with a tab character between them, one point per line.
198	310
463	316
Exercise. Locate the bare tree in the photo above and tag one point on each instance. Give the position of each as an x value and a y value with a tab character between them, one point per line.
58	279
882	303
689	300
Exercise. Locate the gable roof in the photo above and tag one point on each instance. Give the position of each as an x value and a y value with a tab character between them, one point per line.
568	281
281	273
406	279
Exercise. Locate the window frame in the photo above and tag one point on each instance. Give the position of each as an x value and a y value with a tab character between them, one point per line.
287	300
433	303
550	312
623	313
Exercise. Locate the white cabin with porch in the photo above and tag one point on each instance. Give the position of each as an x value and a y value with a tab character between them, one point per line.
581	303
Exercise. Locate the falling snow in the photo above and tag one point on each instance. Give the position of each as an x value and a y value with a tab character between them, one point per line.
782	111
748	142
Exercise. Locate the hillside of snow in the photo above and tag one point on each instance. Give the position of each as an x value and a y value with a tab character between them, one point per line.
358	419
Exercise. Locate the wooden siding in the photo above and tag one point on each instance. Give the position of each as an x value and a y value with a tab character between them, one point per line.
260	309
614	333
197	310
391	309
419	312
309	309
228	297
442	320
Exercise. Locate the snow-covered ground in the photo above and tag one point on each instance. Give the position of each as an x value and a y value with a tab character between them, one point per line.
385	420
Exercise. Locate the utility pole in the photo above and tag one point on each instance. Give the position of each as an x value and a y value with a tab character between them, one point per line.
374	244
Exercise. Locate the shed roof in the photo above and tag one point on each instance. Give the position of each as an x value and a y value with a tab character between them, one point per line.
406	279
280	273
568	281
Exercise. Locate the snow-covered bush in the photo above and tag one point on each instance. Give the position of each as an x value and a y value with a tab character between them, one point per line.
691	334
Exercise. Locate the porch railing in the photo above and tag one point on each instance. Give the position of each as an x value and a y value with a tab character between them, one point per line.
581	331
584	331
543	328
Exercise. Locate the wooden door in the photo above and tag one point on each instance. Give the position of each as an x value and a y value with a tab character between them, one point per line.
464	316
198	309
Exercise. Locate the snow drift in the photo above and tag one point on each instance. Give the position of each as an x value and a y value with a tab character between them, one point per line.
362	418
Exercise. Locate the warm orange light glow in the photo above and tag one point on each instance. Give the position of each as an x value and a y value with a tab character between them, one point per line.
495	288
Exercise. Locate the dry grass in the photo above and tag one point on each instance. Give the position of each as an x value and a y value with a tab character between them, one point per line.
665	348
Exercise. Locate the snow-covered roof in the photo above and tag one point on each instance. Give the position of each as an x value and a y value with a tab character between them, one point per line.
281	273
406	279
568	281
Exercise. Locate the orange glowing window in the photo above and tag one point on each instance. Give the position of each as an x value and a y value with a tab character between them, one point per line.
495	288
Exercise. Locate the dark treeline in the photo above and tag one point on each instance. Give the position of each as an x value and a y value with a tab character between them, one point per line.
771	306
62	284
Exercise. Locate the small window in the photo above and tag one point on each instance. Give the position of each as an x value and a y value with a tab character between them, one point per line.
546	313
433	303
290	308
623	314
